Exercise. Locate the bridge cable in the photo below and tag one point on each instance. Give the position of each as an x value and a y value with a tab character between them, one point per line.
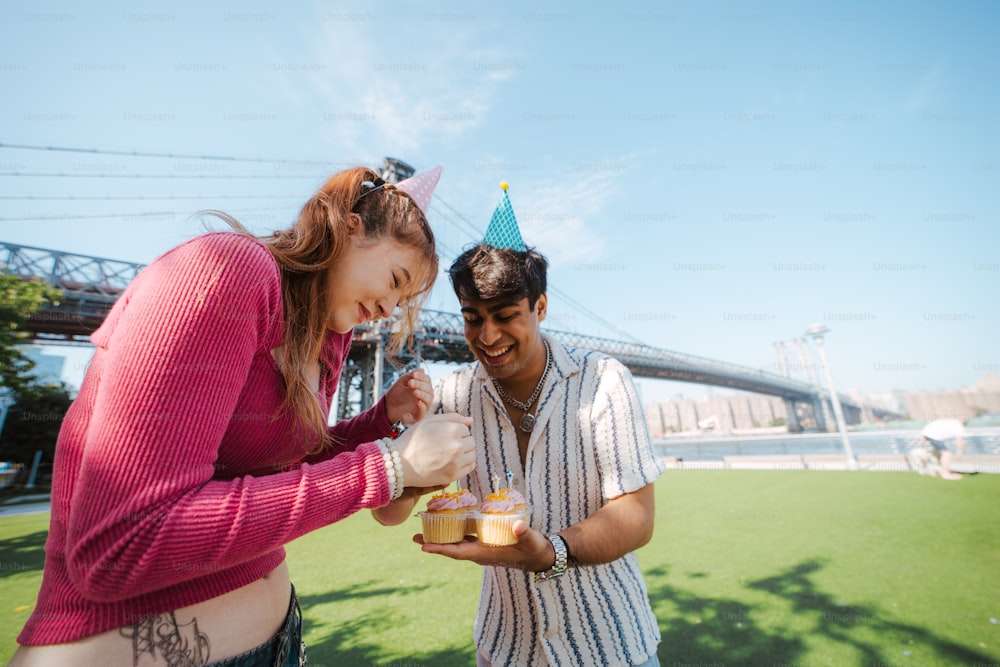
50	174
182	156
85	216
96	151
477	234
138	197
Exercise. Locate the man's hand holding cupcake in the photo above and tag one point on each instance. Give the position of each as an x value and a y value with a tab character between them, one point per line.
532	551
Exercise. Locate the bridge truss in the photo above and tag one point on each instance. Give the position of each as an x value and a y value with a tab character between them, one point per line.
91	285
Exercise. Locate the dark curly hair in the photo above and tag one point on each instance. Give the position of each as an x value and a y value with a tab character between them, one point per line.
484	273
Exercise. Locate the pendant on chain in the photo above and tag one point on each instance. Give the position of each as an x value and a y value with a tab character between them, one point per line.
527	422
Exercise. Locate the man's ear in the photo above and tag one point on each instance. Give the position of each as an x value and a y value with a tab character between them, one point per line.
541	307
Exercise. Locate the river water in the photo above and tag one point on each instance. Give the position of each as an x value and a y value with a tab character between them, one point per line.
714	447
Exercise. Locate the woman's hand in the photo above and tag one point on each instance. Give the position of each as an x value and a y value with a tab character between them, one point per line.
437	450
409	398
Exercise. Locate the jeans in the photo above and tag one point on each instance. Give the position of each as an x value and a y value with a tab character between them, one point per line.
285	649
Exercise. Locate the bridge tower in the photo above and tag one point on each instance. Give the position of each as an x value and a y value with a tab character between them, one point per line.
792	421
358	389
394	171
821	404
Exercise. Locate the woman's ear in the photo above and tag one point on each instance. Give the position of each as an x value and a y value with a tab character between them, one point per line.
354	225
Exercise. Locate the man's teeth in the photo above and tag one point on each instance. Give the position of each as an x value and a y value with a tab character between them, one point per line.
498	353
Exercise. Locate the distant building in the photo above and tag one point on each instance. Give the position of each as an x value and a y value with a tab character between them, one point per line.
48	367
723	414
983	396
737	413
893	401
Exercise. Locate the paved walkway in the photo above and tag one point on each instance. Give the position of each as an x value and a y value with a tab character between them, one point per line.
26	504
24	508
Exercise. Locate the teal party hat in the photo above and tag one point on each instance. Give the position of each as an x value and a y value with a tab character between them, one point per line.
503	231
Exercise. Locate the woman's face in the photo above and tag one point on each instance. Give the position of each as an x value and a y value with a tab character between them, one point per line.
368	281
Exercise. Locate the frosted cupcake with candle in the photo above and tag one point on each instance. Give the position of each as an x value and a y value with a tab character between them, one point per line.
512	494
495	521
445	518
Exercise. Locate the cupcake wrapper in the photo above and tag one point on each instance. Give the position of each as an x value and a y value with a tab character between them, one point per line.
443	528
497	530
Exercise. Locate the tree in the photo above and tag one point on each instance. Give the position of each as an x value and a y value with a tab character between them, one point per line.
33	421
33	424
19	299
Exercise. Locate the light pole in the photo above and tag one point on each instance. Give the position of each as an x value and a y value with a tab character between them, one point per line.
6	402
816	332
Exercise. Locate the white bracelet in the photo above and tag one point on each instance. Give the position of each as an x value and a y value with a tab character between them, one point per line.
393	467
390	470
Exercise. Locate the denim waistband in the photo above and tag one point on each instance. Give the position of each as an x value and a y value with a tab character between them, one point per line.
284	649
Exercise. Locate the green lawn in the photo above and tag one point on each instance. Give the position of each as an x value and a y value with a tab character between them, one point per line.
745	568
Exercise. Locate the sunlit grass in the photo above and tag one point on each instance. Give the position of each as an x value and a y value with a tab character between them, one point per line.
745	568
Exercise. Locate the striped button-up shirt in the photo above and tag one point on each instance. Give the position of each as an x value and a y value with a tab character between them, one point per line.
589	445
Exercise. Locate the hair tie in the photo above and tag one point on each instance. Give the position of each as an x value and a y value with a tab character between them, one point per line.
369	187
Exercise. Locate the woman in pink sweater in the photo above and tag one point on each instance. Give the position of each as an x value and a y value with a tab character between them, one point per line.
198	445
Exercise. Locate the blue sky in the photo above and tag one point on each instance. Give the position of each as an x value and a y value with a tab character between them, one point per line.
708	177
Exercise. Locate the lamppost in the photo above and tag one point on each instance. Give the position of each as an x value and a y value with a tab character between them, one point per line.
6	402
816	332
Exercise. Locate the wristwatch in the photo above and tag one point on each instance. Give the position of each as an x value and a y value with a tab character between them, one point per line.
558	568
397	428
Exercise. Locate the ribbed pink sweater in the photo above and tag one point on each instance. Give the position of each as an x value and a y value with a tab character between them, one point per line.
173	481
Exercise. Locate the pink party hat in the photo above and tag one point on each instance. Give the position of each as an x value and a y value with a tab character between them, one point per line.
421	187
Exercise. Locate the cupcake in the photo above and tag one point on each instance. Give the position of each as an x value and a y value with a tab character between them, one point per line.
445	517
520	504
471	504
510	493
496	520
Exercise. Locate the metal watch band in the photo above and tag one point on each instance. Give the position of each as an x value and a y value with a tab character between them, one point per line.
562	559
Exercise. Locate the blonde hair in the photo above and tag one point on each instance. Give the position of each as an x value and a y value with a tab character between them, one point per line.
307	251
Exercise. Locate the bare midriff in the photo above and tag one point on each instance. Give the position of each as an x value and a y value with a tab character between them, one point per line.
206	632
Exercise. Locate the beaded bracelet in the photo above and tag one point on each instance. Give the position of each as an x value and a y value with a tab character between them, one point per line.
397	463
393	466
390	471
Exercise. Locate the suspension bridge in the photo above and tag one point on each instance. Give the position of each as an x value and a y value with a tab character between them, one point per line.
91	285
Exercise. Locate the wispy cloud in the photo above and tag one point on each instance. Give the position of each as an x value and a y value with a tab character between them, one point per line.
925	90
558	216
380	95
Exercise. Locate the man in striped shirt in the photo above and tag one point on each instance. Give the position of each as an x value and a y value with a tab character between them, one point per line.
568	425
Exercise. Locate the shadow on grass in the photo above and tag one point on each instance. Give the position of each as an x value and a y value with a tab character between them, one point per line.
344	643
22	553
705	631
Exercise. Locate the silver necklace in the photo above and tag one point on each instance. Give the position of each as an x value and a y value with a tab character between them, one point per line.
528	420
